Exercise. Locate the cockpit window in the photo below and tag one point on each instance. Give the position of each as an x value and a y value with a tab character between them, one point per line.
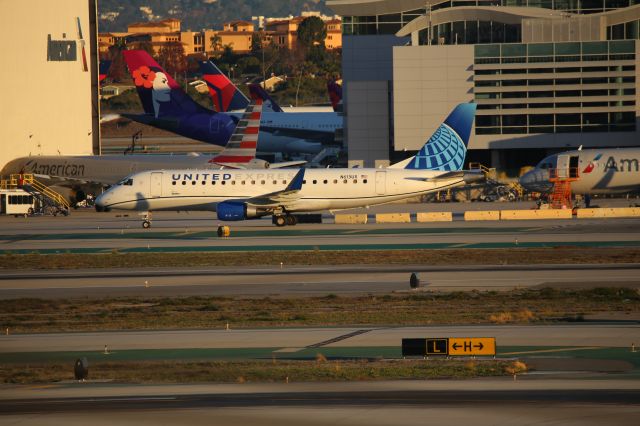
126	181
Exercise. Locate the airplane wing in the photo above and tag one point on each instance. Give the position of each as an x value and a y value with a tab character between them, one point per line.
284	197
468	176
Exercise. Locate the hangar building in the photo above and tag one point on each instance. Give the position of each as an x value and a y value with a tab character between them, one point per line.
49	77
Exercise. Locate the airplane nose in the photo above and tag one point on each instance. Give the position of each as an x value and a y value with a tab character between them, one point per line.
102	201
536	180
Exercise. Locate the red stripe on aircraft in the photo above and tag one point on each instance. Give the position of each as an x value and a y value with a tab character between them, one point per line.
252	130
248	144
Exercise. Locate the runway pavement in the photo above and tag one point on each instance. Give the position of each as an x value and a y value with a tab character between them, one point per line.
91	232
567	335
476	402
306	281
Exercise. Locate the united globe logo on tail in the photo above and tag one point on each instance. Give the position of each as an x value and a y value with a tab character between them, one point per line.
447	147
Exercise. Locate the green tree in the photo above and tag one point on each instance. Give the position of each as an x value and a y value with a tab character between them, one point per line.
311	32
215	42
172	58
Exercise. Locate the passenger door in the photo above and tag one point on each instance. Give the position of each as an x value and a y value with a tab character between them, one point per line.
156	184
381	183
562	166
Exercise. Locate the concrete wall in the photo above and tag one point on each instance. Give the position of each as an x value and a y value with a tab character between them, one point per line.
367	73
429	81
48	106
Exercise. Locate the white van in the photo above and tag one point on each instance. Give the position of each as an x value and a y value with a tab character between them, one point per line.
16	202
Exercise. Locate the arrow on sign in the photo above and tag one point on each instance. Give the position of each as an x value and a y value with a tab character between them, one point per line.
479	346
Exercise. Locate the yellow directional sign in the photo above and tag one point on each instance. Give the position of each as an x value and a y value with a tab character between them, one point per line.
472	346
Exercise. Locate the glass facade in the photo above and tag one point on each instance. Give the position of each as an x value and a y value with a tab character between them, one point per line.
555	87
392	23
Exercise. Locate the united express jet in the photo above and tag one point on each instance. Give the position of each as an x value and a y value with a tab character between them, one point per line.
248	194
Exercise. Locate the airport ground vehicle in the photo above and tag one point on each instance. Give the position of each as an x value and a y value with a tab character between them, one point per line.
17	202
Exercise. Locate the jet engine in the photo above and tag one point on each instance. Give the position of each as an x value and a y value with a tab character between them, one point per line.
237	210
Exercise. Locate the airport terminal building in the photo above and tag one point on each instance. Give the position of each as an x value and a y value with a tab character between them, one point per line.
548	75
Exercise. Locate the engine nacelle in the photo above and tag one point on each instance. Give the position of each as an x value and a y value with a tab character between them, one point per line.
237	210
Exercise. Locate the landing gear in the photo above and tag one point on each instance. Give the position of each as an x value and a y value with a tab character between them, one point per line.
146	220
291	220
282	220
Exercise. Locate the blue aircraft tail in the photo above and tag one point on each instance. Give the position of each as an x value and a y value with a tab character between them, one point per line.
447	147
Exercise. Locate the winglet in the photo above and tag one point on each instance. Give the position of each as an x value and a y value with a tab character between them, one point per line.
296	182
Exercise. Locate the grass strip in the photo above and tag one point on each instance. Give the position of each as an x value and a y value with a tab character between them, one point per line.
554	255
272	371
529	305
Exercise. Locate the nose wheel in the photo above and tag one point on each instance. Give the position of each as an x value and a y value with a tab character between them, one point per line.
146	220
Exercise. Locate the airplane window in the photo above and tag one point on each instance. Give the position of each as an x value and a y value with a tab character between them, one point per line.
213	182
345	181
127	182
242	182
315	181
253	182
355	181
204	182
284	182
233	182
184	183
262	182
335	181
324	181
224	183
304	181
275	182
173	183
364	181
193	183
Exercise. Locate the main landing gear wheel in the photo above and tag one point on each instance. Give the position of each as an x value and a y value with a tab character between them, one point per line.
281	220
291	220
146	224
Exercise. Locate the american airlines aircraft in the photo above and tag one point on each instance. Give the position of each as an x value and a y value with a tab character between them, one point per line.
591	171
78	171
247	194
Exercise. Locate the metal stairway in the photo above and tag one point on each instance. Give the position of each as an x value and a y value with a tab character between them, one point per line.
47	196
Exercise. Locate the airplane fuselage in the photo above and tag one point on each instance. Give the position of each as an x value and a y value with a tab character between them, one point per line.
591	171
322	189
304	132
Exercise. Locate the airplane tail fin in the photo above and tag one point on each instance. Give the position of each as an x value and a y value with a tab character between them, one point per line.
269	103
335	95
447	147
241	147
159	93
103	70
226	96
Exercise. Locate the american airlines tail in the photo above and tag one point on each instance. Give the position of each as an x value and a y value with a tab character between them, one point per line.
159	93
446	149
226	96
